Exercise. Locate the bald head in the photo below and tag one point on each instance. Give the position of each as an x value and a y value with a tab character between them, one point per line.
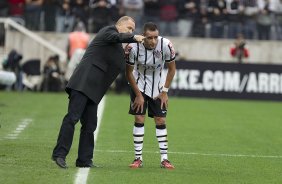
124	19
125	24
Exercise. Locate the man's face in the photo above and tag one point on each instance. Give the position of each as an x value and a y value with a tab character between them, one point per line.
151	39
127	27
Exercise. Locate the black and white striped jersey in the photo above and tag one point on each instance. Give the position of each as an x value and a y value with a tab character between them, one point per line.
148	65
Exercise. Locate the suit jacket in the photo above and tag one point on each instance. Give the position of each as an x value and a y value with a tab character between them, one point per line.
101	63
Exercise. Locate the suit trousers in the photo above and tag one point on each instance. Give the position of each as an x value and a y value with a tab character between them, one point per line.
80	108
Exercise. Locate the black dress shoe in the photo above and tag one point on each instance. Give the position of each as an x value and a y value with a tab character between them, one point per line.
60	162
91	165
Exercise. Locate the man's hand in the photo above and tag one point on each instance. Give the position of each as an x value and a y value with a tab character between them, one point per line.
127	49
138	103
139	38
164	99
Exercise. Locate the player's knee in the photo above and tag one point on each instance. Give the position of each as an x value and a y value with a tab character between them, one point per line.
159	120
139	118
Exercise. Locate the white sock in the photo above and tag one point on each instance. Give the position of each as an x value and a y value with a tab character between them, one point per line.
138	136
161	133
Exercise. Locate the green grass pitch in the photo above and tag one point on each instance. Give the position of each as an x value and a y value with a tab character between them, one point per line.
210	142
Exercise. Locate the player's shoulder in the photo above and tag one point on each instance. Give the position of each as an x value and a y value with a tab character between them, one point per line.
166	41
163	39
133	45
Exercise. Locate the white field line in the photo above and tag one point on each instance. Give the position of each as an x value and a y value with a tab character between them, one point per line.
82	173
199	154
22	125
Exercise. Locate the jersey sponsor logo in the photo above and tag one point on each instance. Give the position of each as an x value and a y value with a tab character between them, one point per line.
157	53
151	67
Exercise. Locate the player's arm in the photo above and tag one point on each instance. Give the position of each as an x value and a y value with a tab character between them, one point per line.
170	74
169	55
139	100
130	62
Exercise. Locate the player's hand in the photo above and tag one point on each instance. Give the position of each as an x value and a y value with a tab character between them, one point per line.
164	99
127	49
139	38
138	103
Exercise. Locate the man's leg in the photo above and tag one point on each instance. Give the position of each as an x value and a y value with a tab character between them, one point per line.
86	140
77	102
159	115
138	136
161	134
138	130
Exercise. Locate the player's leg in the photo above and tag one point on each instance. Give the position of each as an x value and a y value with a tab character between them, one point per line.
138	132
161	134
154	110
138	136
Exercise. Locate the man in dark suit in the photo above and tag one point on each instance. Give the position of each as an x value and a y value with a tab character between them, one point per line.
99	67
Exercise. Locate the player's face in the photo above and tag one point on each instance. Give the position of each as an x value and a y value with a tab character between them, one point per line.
151	39
127	27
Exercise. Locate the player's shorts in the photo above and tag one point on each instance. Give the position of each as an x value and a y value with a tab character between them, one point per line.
153	106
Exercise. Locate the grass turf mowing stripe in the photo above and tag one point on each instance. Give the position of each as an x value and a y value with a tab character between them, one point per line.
82	173
195	153
23	124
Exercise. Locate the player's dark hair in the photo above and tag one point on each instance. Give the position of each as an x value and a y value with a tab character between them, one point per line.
150	26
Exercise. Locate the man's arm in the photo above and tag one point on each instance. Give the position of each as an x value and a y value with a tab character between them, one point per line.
112	35
170	74
139	100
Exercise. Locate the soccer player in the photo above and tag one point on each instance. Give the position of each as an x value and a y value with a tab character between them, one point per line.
144	70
